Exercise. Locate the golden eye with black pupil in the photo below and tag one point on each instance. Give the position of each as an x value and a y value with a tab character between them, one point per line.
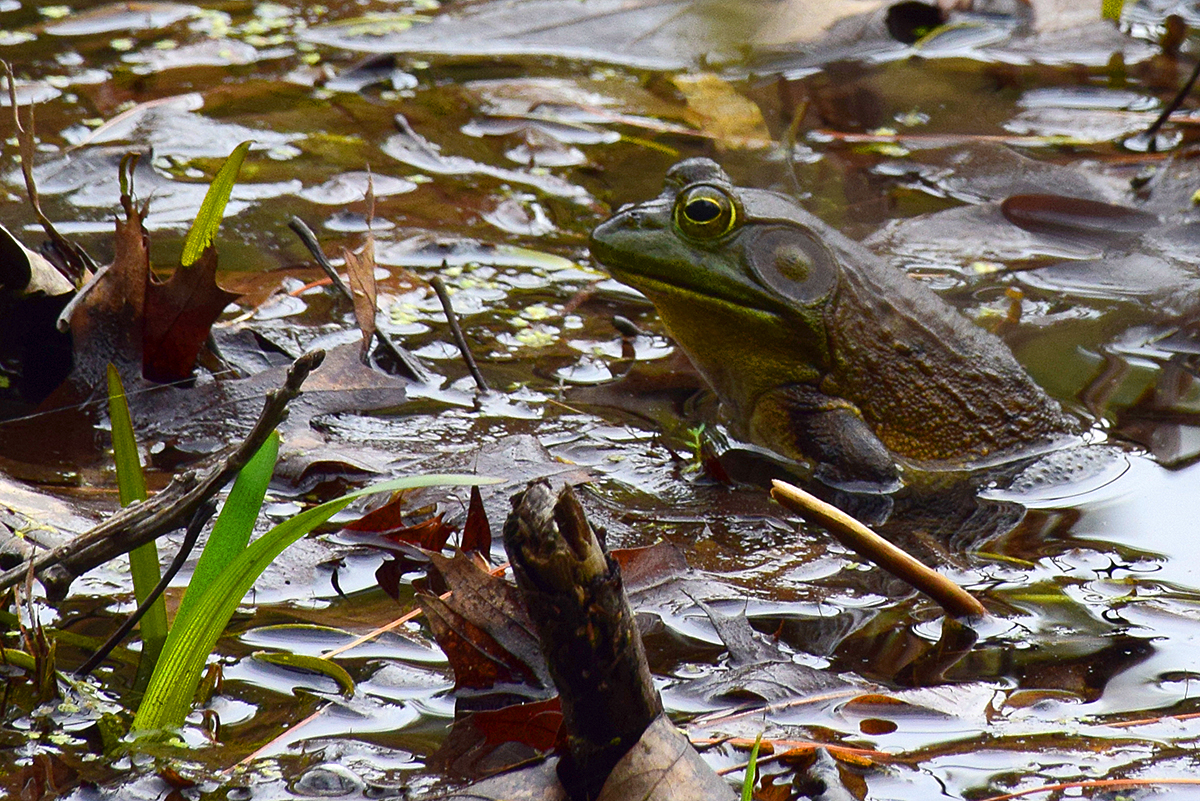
704	212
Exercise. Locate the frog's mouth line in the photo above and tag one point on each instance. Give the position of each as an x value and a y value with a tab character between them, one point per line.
647	285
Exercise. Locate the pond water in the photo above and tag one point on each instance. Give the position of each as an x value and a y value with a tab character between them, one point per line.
495	145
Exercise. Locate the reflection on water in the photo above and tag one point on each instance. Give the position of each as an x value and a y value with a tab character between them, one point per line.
491	173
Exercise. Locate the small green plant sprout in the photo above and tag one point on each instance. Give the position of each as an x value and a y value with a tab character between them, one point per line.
751	771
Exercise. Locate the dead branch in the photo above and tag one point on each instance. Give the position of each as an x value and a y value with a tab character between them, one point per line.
439	286
168	510
854	535
575	596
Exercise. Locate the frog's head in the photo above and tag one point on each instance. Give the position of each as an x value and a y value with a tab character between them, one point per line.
741	277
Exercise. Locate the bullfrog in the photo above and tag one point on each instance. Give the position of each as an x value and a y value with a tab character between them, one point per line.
818	349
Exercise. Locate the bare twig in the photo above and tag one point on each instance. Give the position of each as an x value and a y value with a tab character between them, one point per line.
199	518
413	369
854	535
77	260
1151	133
175	505
439	286
301	229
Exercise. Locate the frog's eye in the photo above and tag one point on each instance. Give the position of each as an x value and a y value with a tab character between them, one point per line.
704	212
792	262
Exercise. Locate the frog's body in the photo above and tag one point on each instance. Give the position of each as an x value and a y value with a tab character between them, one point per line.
819	350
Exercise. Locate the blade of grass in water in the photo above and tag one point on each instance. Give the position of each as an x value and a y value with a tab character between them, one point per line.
208	219
234	525
751	771
143	560
169	695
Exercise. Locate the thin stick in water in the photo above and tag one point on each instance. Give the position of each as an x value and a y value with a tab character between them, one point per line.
854	535
192	533
1151	133
412	368
439	286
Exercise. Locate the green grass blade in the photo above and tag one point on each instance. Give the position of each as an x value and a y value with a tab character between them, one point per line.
131	481
143	560
208	219
234	525
751	771
21	659
169	696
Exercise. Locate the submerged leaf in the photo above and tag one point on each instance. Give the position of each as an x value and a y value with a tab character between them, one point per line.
487	741
314	664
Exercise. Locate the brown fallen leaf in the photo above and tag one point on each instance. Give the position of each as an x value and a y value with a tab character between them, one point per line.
177	317
106	316
146	328
489	741
485	631
390	522
477	531
361	269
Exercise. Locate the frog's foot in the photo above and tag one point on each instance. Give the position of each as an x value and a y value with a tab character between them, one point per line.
802	422
1055	477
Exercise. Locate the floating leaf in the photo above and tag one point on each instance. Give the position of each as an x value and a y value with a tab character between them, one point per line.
485	630
313	664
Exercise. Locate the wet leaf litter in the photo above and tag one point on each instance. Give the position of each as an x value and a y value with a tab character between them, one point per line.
1089	587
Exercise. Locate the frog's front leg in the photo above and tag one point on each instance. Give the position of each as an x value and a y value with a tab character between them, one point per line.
828	430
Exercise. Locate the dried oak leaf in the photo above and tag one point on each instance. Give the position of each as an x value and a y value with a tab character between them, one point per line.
485	631
177	317
360	267
126	317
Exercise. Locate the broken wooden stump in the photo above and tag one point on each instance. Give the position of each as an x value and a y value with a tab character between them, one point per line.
619	744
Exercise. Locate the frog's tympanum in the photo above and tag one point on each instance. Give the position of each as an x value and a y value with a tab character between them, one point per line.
818	349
